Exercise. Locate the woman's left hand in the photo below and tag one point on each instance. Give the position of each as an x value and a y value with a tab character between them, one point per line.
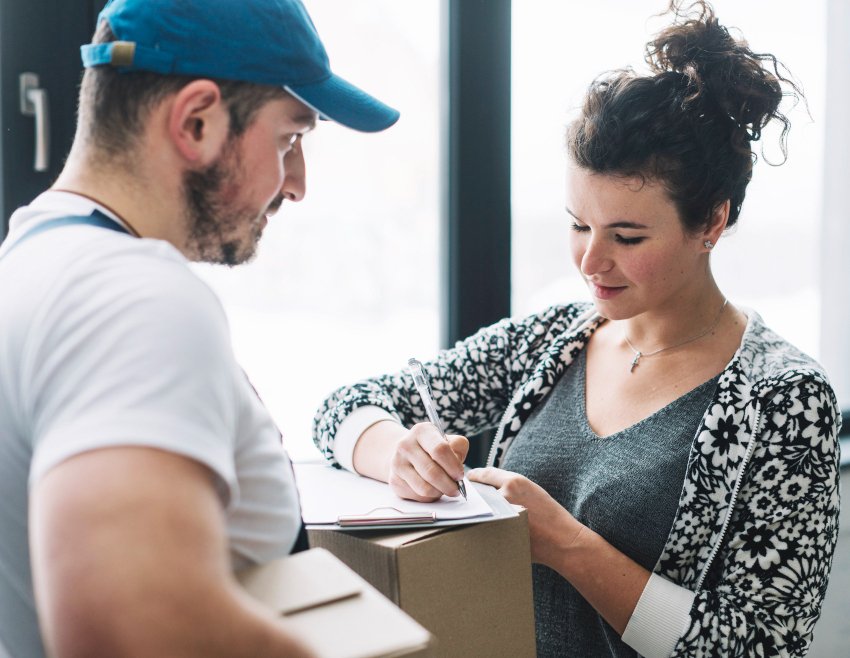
552	528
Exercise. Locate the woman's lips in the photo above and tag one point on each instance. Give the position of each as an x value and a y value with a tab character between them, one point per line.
605	292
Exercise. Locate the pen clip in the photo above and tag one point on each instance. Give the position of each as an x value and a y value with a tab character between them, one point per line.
420	379
423	387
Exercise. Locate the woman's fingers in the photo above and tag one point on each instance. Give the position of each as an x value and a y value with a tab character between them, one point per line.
430	470
495	477
406	483
428	465
441	451
514	488
460	446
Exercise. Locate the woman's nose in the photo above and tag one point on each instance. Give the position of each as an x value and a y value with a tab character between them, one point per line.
595	259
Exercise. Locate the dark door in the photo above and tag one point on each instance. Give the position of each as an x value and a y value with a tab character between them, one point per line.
41	37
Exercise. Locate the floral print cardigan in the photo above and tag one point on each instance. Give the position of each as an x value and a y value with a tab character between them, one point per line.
757	522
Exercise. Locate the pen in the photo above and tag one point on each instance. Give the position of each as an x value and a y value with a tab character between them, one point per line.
423	387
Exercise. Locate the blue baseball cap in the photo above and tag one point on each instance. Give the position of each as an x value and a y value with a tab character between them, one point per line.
268	42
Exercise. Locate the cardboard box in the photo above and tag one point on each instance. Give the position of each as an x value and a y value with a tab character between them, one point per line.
469	585
332	610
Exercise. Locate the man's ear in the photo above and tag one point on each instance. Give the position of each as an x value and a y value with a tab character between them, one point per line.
198	122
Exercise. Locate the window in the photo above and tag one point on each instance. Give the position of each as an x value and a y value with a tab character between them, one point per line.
558	48
345	284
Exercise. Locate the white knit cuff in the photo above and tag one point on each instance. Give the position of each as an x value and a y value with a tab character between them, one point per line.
660	618
350	429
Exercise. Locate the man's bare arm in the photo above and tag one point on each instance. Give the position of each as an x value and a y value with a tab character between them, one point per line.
130	558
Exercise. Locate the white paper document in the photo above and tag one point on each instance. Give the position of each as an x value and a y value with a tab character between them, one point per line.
327	494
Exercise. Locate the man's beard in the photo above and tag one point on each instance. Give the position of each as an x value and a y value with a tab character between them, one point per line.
217	227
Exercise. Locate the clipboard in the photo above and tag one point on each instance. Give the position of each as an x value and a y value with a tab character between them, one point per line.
502	509
380	514
383	517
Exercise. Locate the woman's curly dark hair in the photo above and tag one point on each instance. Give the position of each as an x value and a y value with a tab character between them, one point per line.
691	122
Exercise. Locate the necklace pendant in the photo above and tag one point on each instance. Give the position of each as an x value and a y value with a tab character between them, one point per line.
635	361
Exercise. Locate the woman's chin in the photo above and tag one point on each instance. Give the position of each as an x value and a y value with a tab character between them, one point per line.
611	311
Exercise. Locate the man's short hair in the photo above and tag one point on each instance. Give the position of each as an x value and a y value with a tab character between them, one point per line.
114	105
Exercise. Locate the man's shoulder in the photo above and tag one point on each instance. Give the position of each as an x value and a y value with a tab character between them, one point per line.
139	267
145	281
83	280
88	265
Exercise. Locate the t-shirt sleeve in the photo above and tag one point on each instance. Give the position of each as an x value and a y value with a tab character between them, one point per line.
136	354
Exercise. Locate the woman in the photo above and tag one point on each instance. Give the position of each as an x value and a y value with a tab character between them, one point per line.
678	460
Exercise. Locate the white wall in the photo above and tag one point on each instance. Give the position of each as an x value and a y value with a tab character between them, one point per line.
835	261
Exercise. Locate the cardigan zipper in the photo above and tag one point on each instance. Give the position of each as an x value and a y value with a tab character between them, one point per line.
500	433
736	489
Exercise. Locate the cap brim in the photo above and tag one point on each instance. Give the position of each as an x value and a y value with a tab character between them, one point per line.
339	101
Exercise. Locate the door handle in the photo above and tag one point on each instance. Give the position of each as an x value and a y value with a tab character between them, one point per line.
34	104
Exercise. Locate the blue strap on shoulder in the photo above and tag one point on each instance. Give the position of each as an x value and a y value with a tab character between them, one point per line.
97	218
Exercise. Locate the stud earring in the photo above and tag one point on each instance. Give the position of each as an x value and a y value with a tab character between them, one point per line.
708	244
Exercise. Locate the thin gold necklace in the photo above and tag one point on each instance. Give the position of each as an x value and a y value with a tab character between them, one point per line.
639	355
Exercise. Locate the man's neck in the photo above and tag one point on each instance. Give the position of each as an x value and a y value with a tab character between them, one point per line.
149	204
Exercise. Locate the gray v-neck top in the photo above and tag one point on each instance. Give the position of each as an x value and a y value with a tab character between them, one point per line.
625	486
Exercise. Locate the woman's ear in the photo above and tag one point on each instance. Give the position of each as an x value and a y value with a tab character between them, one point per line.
198	122
716	225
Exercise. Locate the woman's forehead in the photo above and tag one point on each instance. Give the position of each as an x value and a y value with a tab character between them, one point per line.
598	192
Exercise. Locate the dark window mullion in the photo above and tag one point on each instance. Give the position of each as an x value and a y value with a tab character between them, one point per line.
476	244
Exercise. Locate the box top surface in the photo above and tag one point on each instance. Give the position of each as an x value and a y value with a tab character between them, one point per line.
394	539
300	582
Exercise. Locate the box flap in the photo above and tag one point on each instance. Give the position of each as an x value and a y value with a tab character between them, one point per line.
397	538
332	611
300	582
365	626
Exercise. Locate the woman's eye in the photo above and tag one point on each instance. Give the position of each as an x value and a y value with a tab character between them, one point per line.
628	241
581	228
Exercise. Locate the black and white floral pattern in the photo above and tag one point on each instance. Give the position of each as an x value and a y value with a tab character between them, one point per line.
757	521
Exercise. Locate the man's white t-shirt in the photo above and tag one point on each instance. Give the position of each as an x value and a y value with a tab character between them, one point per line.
111	340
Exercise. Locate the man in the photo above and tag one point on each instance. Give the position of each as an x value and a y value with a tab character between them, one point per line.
137	467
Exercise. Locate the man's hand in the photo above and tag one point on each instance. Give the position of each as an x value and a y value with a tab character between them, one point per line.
129	558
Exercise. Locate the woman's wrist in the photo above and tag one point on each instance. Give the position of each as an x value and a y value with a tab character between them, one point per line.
564	539
572	542
374	450
608	579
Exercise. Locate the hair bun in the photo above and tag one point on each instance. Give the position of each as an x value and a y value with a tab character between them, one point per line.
719	72
698	43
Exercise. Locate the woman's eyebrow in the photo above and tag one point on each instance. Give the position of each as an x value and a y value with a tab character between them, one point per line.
616	224
625	224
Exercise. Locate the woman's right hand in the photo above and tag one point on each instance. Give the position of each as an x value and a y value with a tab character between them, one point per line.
417	463
424	466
